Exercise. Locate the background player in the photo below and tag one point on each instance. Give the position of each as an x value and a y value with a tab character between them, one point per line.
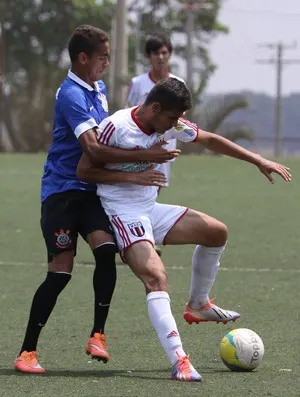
143	222
158	50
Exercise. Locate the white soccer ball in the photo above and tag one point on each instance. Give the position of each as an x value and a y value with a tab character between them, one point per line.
242	350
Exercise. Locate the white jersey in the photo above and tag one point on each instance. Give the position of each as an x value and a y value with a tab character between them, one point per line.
140	87
122	130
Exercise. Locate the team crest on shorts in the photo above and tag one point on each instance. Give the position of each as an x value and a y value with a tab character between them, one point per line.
62	238
137	229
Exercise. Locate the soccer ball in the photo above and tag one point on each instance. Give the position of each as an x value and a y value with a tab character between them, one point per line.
242	350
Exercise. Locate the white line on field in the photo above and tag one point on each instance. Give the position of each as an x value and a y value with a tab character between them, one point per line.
224	269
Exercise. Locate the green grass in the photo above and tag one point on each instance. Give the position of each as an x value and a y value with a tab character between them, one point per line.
260	278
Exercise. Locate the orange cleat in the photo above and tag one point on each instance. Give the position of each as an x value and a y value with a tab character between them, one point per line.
184	371
96	347
27	362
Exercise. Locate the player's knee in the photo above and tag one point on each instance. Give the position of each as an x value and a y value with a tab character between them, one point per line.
62	262
156	280
217	235
105	255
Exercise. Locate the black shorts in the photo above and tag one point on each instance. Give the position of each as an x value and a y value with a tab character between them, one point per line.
67	214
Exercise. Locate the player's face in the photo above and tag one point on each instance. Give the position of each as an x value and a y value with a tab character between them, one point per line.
160	59
163	120
98	62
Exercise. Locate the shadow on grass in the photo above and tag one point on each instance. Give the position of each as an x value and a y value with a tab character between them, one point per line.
92	373
139	373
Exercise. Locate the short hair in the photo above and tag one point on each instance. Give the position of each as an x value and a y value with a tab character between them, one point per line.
86	38
171	94
156	41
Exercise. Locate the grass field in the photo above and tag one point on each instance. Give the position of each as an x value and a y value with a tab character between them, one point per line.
260	277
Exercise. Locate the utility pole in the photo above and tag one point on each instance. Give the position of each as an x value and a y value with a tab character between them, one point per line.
191	7
112	61
121	55
279	62
190	28
138	64
1	86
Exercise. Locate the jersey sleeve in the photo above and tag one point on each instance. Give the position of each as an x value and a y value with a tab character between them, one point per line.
74	109
107	133
133	94
186	131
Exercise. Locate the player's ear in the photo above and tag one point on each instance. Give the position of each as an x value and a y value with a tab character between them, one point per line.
156	107
83	58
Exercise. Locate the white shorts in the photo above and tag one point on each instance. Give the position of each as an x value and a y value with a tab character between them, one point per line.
165	168
131	228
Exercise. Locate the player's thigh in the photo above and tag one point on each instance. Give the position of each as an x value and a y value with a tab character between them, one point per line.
147	266
59	227
195	227
94	225
163	219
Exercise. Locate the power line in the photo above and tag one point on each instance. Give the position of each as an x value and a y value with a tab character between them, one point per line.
279	62
270	13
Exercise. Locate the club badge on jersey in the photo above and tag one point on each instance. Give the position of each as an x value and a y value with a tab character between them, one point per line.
103	100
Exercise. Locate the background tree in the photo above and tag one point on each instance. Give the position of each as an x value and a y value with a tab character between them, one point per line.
170	16
35	36
211	116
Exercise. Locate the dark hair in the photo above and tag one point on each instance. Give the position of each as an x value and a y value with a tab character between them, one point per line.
86	38
156	41
171	94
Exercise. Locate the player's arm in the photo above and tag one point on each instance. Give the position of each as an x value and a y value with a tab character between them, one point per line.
187	131
101	154
74	109
89	172
221	145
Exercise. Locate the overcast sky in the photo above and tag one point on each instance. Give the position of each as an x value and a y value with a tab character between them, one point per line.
253	22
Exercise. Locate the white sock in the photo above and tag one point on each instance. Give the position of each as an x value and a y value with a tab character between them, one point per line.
163	322
205	266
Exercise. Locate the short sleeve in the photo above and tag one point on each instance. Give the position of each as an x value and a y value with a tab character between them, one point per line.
186	131
106	133
133	95
73	107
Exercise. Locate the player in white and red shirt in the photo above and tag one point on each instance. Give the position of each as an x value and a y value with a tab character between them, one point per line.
139	221
158	50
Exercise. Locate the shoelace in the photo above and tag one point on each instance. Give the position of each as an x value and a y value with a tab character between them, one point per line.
101	339
208	305
184	364
29	357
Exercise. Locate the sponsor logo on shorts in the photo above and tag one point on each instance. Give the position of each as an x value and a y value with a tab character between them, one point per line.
62	238
137	229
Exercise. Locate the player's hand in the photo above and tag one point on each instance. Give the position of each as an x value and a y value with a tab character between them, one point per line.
268	167
150	177
157	154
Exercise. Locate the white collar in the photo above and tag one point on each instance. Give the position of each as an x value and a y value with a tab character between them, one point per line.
83	83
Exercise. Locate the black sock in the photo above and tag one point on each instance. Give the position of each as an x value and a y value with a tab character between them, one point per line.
42	305
104	281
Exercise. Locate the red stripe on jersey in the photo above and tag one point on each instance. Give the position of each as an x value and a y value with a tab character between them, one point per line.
190	124
109	135
124	229
120	232
106	133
